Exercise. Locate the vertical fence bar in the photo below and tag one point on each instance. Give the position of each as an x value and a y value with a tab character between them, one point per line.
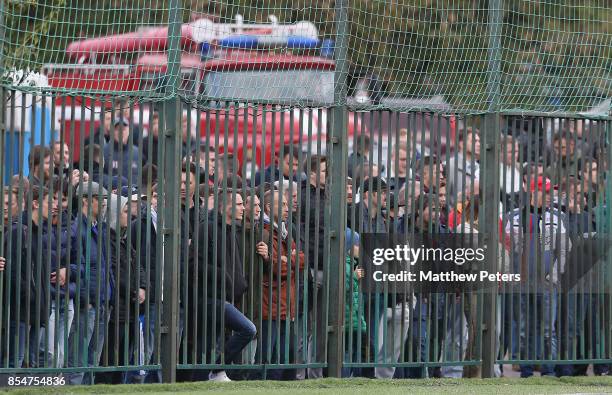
170	229
490	184
338	152
2	166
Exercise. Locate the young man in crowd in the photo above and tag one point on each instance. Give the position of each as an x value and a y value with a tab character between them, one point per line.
87	335
61	157
527	227
287	168
40	161
464	165
63	246
150	144
121	157
360	155
221	274
94	154
25	241
314	223
129	292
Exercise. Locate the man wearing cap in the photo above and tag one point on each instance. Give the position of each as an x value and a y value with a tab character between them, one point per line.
539	246
121	157
96	283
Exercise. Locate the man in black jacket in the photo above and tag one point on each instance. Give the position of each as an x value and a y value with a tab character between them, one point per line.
222	282
28	247
121	157
285	168
150	144
129	293
314	223
143	230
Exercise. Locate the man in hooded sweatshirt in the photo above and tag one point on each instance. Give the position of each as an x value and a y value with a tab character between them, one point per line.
129	292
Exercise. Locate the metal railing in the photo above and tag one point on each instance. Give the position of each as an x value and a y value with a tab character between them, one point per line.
300	309
142	254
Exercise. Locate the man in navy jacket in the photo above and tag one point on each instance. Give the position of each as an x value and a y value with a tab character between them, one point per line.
95	283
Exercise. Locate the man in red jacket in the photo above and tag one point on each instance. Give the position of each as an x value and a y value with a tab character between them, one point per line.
279	286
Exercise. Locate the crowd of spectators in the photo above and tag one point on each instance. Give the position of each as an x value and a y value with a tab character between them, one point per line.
84	258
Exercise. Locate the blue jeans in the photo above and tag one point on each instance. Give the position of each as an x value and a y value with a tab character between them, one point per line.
419	339
151	352
538	333
87	341
512	330
359	343
269	353
243	332
455	338
16	345
53	336
50	343
574	312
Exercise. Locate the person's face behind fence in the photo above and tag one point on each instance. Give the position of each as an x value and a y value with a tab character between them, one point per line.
121	134
252	208
564	147
372	199
155	127
95	207
511	153
537	198
46	168
320	174
472	144
46	208
61	153
400	162
108	121
234	210
290	166
13	208
280	209
124	216
433	175
188	185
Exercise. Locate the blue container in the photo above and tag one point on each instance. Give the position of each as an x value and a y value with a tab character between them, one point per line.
34	134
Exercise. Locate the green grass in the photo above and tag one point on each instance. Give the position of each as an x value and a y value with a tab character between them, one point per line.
353	387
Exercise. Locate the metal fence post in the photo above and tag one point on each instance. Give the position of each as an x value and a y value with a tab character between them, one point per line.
338	152
170	176
490	175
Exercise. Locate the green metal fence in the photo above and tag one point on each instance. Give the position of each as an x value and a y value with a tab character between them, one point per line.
171	280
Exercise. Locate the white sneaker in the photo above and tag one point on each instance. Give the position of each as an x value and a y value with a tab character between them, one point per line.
219	377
